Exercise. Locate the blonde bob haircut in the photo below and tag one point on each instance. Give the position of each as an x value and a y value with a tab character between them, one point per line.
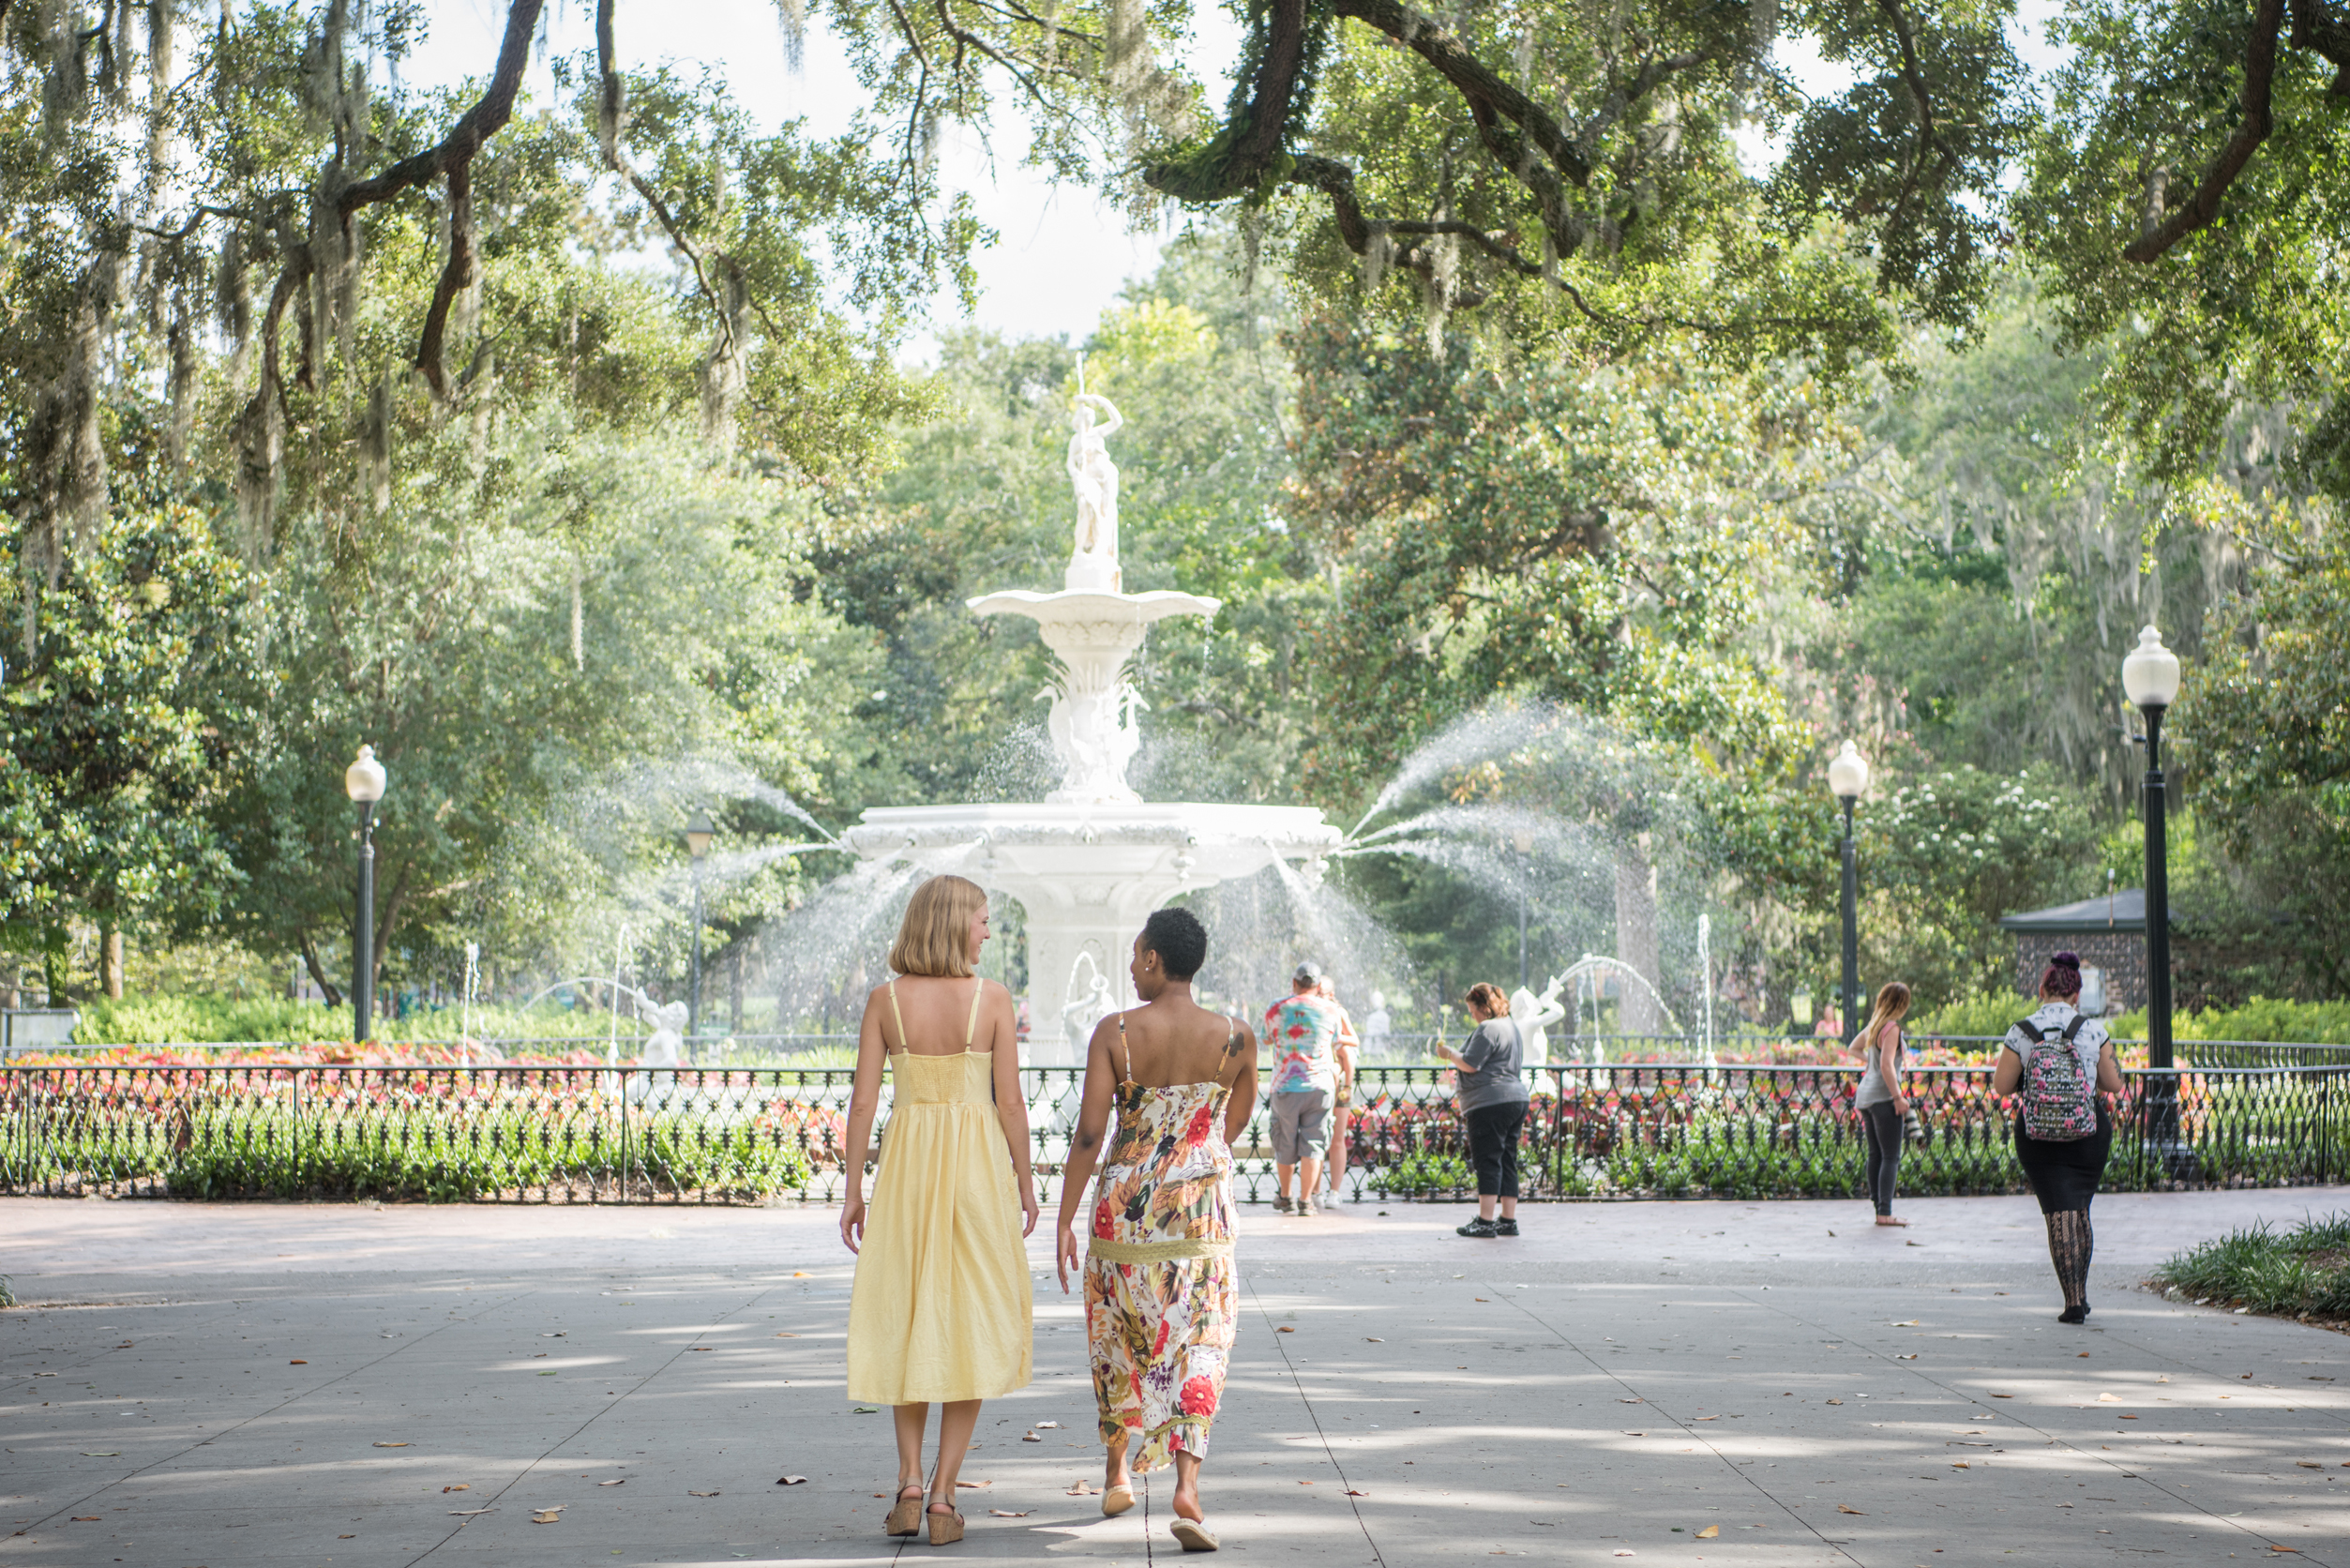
935	936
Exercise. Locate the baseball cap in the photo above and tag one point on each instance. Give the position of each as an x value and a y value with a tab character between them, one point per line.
1306	973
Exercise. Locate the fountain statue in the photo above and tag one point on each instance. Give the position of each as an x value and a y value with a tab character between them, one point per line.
1093	858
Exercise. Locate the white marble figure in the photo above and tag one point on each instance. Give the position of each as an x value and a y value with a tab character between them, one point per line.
1093	563
660	1050
1534	1014
1378	1027
669	1026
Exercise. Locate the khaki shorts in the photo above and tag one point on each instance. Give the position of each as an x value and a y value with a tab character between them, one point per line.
1301	1125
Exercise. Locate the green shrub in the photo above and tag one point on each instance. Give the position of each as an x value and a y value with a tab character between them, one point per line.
160	1020
1422	1173
2286	1273
2261	1018
1984	1013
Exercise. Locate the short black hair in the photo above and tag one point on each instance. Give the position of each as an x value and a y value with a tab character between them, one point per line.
1179	940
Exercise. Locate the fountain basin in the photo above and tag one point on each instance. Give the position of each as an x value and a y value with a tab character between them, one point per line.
1086	875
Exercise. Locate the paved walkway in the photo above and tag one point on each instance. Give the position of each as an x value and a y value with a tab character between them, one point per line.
217	1386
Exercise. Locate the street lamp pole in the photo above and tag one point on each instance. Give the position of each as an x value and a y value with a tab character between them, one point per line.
698	836
364	782
1848	777
2150	678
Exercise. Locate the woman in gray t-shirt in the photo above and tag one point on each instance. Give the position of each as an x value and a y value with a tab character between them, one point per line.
1493	1099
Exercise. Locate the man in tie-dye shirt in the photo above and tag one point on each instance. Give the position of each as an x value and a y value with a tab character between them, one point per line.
1303	1033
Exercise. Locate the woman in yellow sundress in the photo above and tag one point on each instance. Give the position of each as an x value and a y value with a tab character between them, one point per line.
1161	1295
940	1309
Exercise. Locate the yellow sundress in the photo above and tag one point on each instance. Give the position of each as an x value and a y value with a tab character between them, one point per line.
940	1309
1161	1295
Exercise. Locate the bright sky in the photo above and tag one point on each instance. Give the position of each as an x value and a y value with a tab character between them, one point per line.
1062	256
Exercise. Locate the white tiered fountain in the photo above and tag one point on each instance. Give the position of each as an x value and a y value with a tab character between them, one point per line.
1093	858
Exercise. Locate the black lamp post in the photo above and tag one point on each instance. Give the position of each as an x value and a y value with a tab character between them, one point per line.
1848	777
363	781
698	836
2151	677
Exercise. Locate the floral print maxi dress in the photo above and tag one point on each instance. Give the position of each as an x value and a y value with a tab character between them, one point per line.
1161	1299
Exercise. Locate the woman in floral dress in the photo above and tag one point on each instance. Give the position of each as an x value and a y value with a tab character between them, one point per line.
1160	1296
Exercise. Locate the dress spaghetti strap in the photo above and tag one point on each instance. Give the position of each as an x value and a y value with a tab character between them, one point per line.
1126	1048
978	988
900	1016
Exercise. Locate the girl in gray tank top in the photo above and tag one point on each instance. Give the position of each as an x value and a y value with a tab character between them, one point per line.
1883	1108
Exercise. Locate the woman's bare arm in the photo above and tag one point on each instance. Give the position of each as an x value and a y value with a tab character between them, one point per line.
1085	1144
2108	1069
1004	1044
864	1101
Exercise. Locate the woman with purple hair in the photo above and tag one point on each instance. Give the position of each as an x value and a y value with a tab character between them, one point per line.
2063	1061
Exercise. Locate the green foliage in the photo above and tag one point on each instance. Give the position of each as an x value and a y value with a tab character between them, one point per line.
2240	310
2259	1018
1947	853
424	1144
2302	1271
1984	1013
184	1018
124	731
547	661
1597	538
2265	718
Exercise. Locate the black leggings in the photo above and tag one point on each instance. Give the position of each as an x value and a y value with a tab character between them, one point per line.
1883	1124
1493	1148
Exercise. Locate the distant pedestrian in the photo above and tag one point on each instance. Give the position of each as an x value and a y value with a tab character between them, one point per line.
1303	1034
940	1309
2064	1062
1348	1049
1493	1101
1884	1109
1161	1301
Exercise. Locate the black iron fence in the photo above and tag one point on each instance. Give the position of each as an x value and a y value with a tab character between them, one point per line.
557	1135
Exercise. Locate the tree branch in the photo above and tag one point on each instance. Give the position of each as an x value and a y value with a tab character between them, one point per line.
477	126
2260	70
452	159
457	273
1475	80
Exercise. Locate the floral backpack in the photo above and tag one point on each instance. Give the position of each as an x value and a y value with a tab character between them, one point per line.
2059	1095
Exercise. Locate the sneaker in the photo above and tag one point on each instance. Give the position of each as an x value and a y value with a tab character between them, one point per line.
1281	1204
1481	1229
1308	1208
1505	1227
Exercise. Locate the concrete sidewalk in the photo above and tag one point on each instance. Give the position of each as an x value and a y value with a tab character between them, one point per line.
298	1383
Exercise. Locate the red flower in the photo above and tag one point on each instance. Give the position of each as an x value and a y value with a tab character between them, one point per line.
1101	1219
1200	1121
1158	1347
1200	1398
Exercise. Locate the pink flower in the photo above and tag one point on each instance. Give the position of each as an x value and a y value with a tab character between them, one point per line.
1199	1398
